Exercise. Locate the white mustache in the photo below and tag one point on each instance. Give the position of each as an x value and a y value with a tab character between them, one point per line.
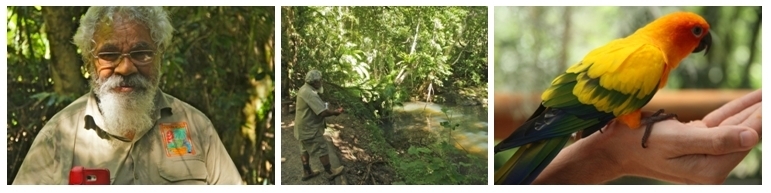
137	81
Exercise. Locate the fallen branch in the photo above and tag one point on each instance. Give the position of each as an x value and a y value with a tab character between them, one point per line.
368	175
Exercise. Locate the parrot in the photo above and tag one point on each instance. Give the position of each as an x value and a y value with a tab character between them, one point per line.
611	83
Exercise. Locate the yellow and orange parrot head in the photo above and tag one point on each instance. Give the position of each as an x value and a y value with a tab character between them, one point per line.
683	32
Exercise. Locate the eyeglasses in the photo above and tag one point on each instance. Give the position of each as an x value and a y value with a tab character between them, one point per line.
138	57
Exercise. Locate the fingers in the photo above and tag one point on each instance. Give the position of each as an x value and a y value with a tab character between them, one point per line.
709	154
669	155
750	117
717	141
741	116
731	108
754	121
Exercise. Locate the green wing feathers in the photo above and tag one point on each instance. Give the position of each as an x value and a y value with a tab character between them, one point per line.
619	78
611	81
530	160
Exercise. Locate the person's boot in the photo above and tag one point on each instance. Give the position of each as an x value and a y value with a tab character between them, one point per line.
328	168
335	172
308	173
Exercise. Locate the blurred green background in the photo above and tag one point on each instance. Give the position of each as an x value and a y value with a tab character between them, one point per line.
535	44
220	61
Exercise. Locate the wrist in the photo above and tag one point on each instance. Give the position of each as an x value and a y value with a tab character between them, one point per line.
602	157
586	161
604	154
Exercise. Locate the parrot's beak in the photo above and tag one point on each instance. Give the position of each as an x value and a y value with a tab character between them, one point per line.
704	44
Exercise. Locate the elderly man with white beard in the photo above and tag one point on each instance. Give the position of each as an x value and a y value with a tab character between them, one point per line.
309	126
126	124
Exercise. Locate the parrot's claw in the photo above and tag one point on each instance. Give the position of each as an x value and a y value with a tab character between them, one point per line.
612	121
653	119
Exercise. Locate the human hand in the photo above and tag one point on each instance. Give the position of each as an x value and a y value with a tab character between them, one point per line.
697	152
701	152
677	152
339	110
744	111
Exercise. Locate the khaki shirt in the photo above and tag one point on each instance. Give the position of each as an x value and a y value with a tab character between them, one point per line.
307	122
182	148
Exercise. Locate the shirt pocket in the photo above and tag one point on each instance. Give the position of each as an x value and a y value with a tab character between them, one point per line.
184	171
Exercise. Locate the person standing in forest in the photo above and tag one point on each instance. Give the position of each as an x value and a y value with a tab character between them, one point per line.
126	124
310	124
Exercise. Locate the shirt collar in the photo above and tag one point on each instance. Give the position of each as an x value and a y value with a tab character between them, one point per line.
311	87
94	119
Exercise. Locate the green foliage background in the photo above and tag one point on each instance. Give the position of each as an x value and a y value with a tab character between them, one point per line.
382	55
375	58
220	61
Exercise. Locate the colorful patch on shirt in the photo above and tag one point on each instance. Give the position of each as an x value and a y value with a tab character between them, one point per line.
176	139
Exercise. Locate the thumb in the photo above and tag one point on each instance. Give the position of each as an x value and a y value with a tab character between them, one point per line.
719	140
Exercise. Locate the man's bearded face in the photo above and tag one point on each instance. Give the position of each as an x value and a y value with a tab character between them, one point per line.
127	113
126	90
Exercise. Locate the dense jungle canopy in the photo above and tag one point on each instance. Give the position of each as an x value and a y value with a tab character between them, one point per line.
376	59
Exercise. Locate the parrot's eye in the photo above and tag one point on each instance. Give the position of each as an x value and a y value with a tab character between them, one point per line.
697	31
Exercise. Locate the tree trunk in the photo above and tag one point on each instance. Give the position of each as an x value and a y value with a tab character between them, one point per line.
753	47
61	23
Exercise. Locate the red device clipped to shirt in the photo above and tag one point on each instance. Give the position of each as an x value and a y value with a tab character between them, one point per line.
84	176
